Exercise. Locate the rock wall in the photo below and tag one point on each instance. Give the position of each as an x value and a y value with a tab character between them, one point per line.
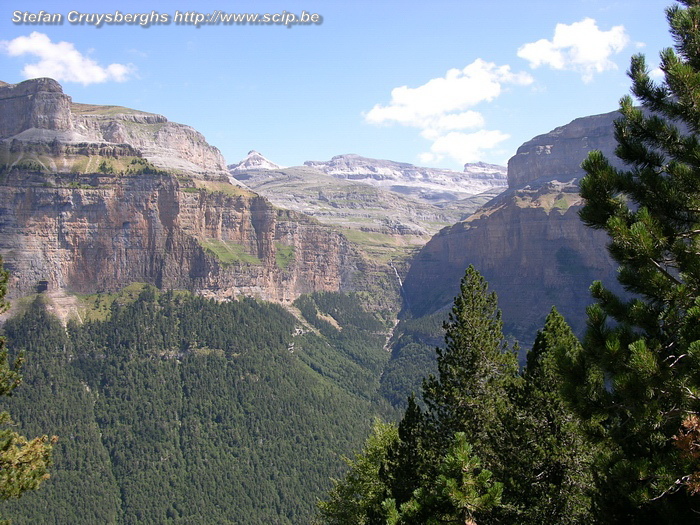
70	221
528	242
106	234
37	111
38	103
532	259
559	153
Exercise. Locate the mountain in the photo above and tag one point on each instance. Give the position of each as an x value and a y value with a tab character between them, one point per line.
386	220
96	197
172	408
528	242
253	161
428	185
176	405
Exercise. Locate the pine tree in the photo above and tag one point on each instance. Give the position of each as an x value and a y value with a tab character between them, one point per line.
357	498
638	376
23	462
461	490
475	371
550	457
468	397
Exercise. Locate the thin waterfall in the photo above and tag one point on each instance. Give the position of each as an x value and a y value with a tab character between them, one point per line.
403	292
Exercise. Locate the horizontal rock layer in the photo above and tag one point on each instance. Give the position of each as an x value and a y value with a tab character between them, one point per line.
106	233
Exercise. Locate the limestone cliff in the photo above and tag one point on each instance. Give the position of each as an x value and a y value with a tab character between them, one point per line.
96	197
559	153
528	242
38	112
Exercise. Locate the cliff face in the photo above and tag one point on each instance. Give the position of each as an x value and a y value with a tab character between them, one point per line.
528	242
38	104
38	112
96	197
559	153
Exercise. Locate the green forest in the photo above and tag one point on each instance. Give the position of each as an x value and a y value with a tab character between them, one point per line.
179	409
167	407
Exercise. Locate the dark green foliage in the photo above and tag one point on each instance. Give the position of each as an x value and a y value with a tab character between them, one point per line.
433	472
139	166
492	445
461	490
357	498
638	376
23	463
549	460
54	399
412	357
178	409
353	332
475	371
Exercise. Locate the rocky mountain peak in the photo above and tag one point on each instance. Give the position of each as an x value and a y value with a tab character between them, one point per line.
431	185
36	112
559	153
253	161
36	104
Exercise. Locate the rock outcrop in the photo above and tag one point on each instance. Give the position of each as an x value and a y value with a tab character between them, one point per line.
37	111
559	153
96	197
34	104
528	242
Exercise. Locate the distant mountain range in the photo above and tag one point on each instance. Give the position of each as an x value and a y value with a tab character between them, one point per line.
388	208
425	184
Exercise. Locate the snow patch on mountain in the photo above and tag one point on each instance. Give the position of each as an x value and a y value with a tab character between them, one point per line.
427	184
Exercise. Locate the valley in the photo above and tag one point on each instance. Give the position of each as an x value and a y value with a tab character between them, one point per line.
217	320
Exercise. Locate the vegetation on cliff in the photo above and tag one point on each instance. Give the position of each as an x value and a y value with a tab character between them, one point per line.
24	462
173	408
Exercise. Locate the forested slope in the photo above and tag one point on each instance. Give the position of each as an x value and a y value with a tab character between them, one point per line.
178	409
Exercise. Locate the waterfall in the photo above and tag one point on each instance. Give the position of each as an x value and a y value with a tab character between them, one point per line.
403	292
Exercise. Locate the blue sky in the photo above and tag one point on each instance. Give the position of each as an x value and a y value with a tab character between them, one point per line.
434	83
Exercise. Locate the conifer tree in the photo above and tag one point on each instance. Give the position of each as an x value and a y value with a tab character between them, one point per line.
475	371
550	459
23	462
357	498
469	398
638	376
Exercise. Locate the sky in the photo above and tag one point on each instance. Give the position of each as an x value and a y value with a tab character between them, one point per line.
436	84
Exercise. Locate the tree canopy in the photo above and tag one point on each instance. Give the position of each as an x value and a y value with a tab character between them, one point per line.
24	463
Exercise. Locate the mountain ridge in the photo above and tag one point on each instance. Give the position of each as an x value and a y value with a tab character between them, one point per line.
96	197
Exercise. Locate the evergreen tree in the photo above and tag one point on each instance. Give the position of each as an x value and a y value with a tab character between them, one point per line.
475	372
357	498
637	378
469	397
461	490
23	462
442	466
550	459
405	469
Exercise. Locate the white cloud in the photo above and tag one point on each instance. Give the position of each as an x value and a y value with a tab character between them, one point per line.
464	147
580	47
62	62
440	108
657	74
